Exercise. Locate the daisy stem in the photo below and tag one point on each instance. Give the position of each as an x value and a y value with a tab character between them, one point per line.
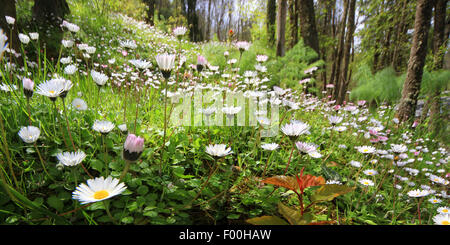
125	106
125	170
165	125
289	161
359	199
105	153
267	163
29	113
137	110
98	96
106	203
207	180
6	151
418	210
42	161
68	127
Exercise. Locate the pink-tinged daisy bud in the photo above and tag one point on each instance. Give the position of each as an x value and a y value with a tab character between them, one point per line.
201	62
383	138
361	102
415	124
133	147
28	86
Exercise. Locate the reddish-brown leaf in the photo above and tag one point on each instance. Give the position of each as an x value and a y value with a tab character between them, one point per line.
309	180
282	181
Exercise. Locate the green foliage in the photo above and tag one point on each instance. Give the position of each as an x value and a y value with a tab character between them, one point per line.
384	86
286	71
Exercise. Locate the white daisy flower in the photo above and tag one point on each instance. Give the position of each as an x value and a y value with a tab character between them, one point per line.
98	189
165	62
418	193
366	149
10	20
335	119
79	104
295	128
242	45
218	150
34	35
434	200
70	69
366	182
179	31
370	172
67	43
355	164
141	64
99	78
24	38
443	210
71	158
269	146
441	219
52	89
103	127
398	148
29	134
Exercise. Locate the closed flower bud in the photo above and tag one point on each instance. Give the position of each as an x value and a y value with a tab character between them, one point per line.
133	147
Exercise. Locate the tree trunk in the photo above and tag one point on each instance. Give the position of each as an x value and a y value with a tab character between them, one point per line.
347	48
439	41
194	31
271	20
399	37
208	23
150	12
49	15
293	20
308	30
281	27
340	51
411	87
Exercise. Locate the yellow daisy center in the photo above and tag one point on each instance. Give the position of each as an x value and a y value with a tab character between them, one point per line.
445	211
52	91
78	106
101	194
365	150
445	222
366	183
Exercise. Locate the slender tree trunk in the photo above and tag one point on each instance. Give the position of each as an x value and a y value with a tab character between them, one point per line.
439	41
208	23
411	87
347	48
271	20
340	51
150	12
281	27
195	34
399	37
293	20
308	29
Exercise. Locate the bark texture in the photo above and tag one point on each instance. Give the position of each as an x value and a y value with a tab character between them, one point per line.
281	27
411	87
